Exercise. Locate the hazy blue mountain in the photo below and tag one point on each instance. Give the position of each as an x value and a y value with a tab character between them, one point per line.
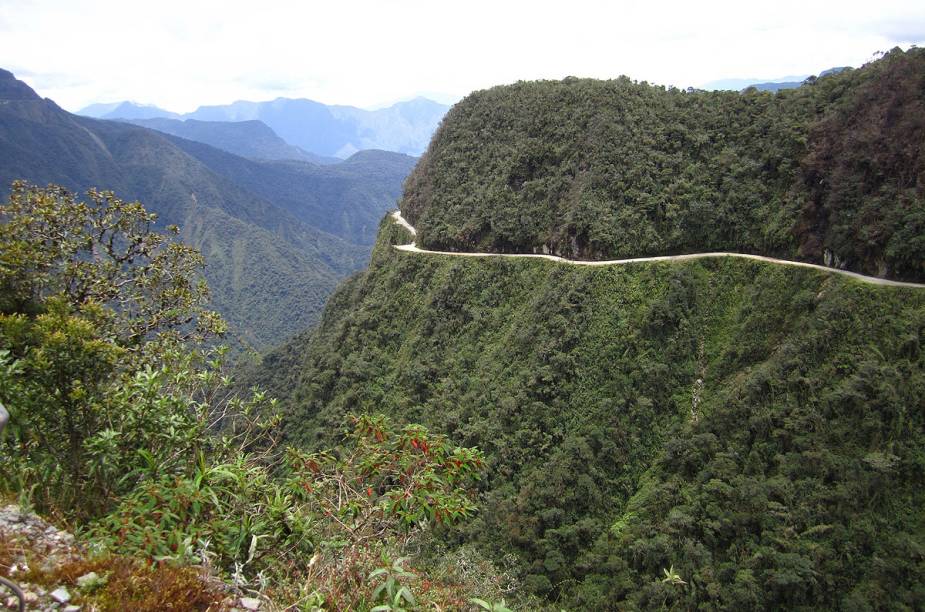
270	266
316	128
340	131
125	110
775	86
252	139
832	71
787	82
797	81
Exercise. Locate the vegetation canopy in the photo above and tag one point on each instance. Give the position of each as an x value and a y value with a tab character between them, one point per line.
126	425
715	433
831	172
100	253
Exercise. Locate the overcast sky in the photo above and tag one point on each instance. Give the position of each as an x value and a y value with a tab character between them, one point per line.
179	54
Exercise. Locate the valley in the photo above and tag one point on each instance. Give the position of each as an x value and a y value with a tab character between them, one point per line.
605	345
278	235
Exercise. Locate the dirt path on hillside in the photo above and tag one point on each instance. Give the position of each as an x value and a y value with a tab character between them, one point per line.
412	248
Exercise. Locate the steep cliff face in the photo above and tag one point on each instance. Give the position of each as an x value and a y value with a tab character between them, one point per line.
607	169
718	433
757	428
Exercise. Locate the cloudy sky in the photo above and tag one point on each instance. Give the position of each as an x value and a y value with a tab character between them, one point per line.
179	54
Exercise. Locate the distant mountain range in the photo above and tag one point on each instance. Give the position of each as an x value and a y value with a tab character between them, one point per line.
787	82
319	129
276	236
252	139
126	110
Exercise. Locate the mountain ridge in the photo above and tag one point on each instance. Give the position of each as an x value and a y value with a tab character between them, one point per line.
320	129
252	139
615	169
786	82
346	199
125	110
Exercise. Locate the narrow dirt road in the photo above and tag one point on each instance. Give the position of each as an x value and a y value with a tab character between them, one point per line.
412	248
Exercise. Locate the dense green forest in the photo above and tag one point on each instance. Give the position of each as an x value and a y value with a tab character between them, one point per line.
832	171
753	430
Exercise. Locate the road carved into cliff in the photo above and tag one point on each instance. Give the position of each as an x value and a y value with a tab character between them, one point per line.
412	248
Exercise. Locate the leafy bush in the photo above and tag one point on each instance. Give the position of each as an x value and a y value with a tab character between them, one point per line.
124	421
96	323
372	498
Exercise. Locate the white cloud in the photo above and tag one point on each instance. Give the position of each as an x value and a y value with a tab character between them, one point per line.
179	54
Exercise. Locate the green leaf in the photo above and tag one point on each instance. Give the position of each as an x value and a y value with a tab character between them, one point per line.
405	593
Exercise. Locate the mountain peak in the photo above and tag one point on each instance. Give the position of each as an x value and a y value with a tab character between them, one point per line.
422	101
12	88
125	109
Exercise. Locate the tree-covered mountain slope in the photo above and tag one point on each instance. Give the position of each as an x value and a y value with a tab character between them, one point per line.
753	429
270	267
717	433
346	199
830	172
